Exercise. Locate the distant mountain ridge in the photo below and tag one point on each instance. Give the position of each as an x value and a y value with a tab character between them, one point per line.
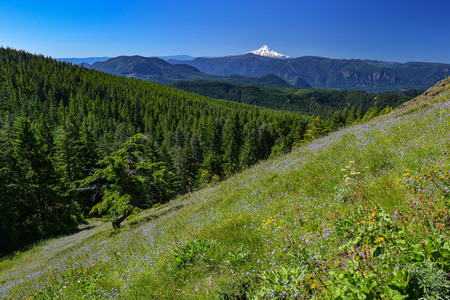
91	60
158	70
321	72
301	72
85	60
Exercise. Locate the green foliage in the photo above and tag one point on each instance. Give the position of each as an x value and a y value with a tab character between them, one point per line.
232	145
239	255
383	260
427	281
132	179
310	101
192	252
237	287
316	129
300	210
34	207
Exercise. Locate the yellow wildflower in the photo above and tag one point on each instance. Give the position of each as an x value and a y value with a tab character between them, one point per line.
377	240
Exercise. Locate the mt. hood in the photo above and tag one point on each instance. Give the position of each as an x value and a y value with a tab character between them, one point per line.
266	51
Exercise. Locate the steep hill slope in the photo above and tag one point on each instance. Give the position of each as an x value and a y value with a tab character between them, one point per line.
158	70
321	72
361	213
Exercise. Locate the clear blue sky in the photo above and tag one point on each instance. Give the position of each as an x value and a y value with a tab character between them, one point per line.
390	30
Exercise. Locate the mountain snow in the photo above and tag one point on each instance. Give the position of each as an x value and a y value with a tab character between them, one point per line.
266	51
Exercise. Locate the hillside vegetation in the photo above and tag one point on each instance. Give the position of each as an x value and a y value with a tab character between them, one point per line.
72	144
308	101
363	213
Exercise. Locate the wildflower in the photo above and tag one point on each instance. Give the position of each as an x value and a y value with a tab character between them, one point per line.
439	224
313	286
377	240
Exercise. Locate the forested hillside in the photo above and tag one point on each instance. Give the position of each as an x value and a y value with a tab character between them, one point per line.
328	73
309	101
158	70
65	147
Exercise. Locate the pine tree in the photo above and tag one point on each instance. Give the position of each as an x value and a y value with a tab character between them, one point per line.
67	144
213	158
232	145
10	224
43	211
133	181
265	141
316	129
249	152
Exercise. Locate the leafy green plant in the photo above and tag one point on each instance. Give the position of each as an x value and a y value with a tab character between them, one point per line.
435	249
297	274
193	251
427	281
239	255
235	288
376	245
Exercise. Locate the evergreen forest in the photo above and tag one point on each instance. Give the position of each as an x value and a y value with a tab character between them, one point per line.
321	102
76	142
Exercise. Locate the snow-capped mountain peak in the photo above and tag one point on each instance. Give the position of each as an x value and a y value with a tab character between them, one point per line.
266	51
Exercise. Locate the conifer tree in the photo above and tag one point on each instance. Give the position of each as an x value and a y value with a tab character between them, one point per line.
249	152
43	211
10	225
265	141
133	181
316	129
232	140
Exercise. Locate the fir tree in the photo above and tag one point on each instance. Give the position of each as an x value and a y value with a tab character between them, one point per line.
316	129
232	144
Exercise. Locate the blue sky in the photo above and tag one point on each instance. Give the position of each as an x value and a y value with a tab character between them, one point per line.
392	30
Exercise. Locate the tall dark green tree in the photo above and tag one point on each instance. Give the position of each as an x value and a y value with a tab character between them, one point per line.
266	141
249	152
133	181
10	225
43	211
232	140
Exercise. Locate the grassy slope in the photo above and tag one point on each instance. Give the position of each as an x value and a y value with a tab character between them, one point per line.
292	206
